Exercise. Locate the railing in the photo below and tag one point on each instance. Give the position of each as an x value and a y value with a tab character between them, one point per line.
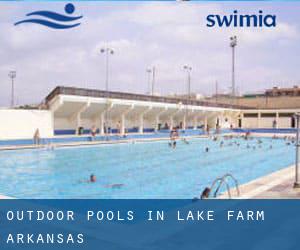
220	182
130	96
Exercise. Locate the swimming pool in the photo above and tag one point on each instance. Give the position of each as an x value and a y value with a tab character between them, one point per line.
147	170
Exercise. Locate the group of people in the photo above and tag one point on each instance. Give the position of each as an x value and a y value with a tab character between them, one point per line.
258	144
289	140
106	130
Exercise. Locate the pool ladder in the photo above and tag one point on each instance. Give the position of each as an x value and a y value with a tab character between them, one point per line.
223	180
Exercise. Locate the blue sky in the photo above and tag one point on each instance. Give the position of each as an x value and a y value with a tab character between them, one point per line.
167	35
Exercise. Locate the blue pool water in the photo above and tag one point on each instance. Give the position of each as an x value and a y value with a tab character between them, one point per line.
147	170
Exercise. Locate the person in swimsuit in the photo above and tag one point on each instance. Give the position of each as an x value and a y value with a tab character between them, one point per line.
93	178
205	193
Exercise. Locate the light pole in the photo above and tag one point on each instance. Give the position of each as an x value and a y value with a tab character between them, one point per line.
107	51
12	75
153	79
153	72
149	72
233	44
188	69
217	91
297	181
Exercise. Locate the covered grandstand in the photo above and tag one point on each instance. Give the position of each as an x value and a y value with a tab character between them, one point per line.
76	112
75	108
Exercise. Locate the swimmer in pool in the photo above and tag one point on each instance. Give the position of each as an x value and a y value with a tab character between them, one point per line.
185	141
207	149
205	193
92	178
117	185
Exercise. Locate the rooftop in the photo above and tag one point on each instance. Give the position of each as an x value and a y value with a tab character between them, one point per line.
60	90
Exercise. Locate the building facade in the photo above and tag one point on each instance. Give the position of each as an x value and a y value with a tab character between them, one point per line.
74	111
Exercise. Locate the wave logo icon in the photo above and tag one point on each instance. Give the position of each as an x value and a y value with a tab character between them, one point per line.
53	20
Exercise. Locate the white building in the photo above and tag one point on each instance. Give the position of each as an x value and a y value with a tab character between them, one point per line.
70	109
74	108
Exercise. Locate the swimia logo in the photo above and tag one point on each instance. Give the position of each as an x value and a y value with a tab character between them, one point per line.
242	20
52	19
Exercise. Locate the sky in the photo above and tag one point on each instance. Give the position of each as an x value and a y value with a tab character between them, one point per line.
144	34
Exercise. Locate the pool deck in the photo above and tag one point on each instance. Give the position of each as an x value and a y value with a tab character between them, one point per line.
5	197
130	140
98	142
277	185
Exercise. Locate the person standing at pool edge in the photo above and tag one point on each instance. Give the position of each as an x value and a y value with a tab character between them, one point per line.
173	135
93	132
36	137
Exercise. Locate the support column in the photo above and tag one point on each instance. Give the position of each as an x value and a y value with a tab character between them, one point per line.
171	118
277	120
78	122
184	122
101	128
205	123
157	118
141	124
123	119
156	122
217	122
106	117
195	123
77	116
171	122
258	119
141	119
242	119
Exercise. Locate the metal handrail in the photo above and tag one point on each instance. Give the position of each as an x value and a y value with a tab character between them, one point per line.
235	182
220	181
